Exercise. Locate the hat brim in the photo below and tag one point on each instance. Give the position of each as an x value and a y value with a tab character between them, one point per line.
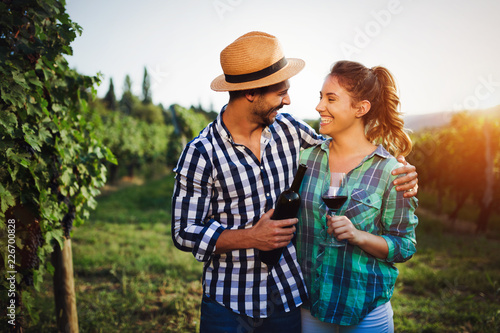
293	67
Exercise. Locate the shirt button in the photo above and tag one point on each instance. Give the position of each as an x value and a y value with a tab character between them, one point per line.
267	194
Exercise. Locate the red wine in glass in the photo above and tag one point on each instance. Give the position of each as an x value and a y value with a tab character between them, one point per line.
334	202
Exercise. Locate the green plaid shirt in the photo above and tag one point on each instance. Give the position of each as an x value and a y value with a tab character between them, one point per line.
345	283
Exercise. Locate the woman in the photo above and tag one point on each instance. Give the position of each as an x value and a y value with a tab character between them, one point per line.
350	286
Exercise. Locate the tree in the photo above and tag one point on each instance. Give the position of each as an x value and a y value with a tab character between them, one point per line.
460	161
110	98
187	124
466	159
52	160
429	158
491	190
148	112
127	101
146	86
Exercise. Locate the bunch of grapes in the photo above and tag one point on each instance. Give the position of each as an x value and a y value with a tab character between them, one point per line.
32	240
67	221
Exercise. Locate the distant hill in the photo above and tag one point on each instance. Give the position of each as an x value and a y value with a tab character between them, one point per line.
438	119
428	120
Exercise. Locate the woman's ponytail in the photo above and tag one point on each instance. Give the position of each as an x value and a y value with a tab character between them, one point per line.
388	127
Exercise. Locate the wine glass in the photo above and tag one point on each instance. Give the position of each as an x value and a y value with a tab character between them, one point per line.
334	200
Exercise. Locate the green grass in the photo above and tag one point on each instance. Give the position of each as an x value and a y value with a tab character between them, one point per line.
130	278
450	285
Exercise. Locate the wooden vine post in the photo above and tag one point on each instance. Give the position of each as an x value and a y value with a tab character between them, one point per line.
64	288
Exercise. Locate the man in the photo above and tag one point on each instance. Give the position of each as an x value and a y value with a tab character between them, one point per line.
228	179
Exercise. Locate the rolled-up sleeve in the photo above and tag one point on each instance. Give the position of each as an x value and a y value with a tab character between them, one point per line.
192	228
399	223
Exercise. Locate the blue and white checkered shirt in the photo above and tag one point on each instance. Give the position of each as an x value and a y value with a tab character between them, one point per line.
222	185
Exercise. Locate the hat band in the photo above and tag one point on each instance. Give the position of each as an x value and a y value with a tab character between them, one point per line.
257	75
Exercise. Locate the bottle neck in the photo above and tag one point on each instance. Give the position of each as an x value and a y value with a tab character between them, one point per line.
299	176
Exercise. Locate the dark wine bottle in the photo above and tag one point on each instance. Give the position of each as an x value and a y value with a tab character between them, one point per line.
287	206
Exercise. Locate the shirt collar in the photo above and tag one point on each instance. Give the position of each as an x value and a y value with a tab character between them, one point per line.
221	128
380	151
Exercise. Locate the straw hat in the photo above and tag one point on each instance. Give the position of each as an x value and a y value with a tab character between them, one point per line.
252	61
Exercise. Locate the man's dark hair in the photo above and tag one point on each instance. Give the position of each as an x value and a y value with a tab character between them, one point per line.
239	93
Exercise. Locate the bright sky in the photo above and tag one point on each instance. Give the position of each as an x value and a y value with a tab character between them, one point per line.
443	53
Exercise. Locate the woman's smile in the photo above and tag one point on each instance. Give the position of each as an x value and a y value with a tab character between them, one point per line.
326	120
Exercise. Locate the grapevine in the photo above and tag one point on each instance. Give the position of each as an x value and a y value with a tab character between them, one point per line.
53	163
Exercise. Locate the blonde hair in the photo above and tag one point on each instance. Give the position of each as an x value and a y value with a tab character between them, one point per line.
383	123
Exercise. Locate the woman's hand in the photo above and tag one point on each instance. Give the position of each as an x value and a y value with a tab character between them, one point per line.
342	228
409	182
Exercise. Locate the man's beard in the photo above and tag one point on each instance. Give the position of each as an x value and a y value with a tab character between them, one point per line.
265	118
